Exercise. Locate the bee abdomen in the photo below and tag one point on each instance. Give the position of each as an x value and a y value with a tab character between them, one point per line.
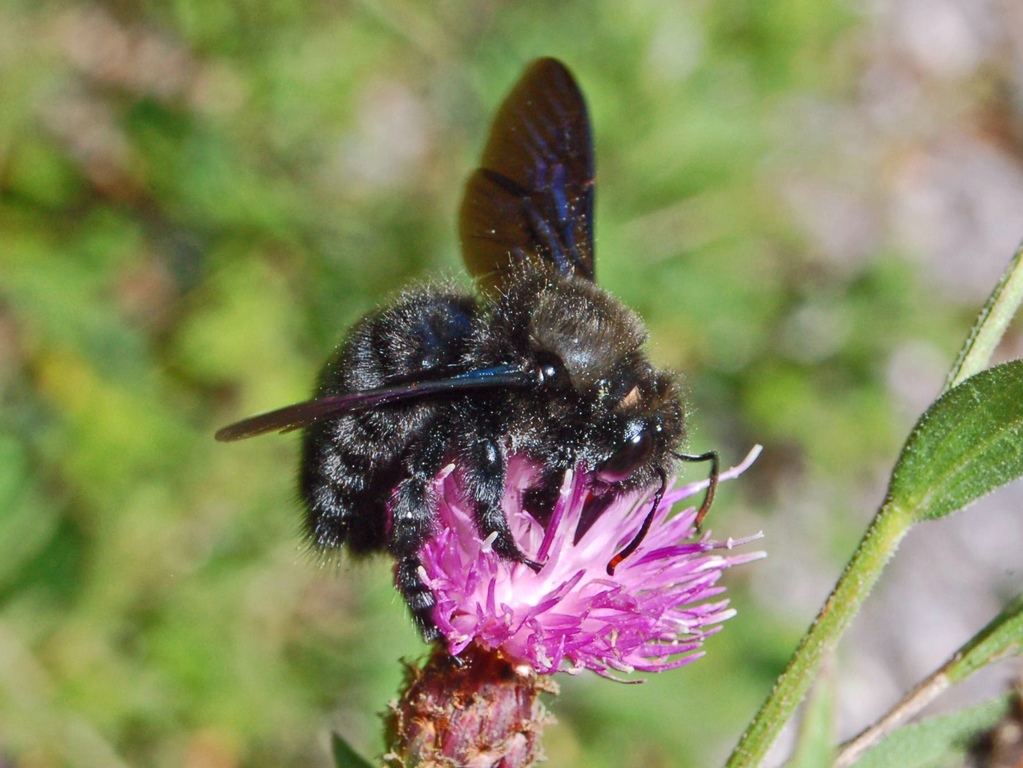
337	481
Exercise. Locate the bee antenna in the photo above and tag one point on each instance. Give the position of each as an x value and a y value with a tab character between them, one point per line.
643	529
712	485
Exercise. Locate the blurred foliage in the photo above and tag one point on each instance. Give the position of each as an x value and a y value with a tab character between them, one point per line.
196	198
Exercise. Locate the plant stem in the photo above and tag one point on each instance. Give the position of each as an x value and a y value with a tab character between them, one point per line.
1002	637
875	550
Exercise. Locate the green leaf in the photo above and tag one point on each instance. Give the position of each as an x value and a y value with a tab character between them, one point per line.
967	444
941	742
991	323
1000	639
345	756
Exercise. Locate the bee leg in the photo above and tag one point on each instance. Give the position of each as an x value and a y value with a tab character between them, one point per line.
485	473
413	505
417	596
539	500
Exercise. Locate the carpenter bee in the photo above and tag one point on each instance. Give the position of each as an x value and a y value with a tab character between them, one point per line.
542	363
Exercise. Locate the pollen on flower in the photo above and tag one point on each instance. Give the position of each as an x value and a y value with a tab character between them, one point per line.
652	615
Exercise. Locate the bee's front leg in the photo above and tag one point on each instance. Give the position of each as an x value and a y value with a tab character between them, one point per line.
484	472
540	499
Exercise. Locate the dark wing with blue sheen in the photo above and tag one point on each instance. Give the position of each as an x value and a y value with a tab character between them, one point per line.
531	199
301	415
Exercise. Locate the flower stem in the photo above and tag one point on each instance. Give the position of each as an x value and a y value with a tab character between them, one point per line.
875	550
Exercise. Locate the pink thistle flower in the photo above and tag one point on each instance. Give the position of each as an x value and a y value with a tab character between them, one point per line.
652	615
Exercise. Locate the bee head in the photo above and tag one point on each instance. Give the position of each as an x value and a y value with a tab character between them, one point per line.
587	347
581	331
639	422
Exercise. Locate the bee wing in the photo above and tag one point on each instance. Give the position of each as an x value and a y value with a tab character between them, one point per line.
289	418
531	199
300	415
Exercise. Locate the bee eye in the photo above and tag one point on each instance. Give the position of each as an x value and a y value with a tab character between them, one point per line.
551	371
627	458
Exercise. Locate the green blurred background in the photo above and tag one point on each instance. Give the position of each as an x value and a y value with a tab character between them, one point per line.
807	201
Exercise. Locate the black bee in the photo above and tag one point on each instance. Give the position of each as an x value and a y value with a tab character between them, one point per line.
542	363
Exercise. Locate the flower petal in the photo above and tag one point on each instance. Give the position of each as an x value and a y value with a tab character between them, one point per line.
652	615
